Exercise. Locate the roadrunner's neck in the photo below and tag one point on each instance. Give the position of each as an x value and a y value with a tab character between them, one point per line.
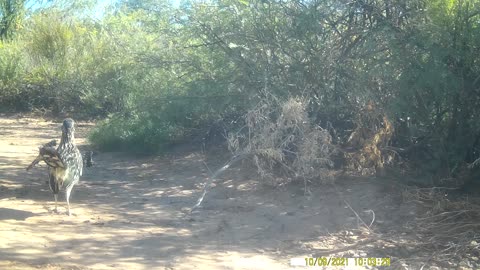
68	138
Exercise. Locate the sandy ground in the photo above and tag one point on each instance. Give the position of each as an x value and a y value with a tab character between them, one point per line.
130	213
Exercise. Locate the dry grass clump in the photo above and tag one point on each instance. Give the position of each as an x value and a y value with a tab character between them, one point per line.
449	227
284	143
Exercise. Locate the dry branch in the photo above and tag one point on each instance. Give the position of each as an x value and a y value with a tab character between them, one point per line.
227	165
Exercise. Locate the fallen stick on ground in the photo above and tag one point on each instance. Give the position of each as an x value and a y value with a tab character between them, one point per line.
232	161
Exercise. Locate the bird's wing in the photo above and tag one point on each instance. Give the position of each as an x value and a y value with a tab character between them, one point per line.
50	156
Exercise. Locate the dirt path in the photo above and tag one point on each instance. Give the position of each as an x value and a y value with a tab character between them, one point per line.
130	213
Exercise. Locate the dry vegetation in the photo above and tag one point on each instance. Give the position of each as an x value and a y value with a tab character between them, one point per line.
366	146
284	143
448	226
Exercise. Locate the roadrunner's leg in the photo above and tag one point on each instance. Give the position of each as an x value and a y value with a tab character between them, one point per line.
54	187
67	196
56	199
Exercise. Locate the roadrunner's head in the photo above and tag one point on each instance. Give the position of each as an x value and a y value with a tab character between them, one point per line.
68	129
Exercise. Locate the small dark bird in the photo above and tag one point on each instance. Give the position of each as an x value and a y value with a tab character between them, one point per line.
88	158
46	153
51	143
65	164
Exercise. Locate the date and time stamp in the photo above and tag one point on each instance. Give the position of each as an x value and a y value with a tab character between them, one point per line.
339	262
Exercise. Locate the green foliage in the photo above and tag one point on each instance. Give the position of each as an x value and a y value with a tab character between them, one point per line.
10	65
175	71
137	134
438	87
11	16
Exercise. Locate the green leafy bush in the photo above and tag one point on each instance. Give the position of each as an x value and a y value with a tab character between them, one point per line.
181	70
135	134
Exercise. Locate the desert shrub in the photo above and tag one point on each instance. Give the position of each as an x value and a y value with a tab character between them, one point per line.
154	123
66	64
135	133
284	143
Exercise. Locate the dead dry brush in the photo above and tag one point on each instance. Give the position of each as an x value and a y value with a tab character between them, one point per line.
449	227
284	143
367	151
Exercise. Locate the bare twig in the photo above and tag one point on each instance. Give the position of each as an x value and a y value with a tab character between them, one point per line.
355	212
358	217
474	163
232	161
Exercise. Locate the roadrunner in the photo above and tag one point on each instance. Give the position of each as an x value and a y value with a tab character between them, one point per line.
65	164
